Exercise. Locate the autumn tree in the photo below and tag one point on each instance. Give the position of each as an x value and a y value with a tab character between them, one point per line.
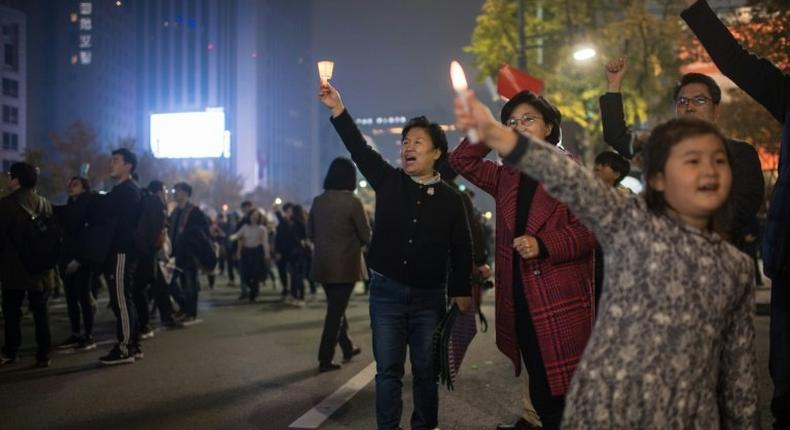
647	33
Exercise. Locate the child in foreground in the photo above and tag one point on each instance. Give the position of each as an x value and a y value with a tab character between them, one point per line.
673	346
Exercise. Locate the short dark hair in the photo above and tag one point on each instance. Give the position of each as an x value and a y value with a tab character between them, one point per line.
656	152
25	173
183	186
699	78
551	115
434	130
342	175
86	184
128	157
245	203
616	162
155	186
287	206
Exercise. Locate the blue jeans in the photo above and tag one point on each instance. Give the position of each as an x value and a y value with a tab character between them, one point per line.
402	316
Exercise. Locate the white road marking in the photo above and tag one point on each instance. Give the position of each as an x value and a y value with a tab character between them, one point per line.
322	411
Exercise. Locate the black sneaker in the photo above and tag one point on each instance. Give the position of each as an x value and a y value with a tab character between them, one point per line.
86	344
43	364
71	342
136	352
355	351
146	333
328	367
116	357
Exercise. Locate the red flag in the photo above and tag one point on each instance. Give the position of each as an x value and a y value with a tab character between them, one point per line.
512	81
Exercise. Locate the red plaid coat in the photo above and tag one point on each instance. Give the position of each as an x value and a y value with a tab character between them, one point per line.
559	288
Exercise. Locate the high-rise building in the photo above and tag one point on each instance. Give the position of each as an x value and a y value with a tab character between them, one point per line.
287	161
187	61
13	122
81	68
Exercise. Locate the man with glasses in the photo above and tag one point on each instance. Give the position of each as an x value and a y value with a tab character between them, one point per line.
696	95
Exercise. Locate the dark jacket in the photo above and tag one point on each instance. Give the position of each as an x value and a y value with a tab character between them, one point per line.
770	87
417	226
339	228
184	235
120	206
73	218
286	243
748	185
13	224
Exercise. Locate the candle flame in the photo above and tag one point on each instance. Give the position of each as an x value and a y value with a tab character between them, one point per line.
325	69
458	77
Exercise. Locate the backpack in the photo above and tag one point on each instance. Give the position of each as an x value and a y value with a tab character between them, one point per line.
149	236
43	241
198	241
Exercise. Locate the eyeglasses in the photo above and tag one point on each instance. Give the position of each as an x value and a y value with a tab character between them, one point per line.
525	121
696	101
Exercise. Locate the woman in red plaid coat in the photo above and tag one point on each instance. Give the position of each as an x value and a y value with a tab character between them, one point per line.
545	298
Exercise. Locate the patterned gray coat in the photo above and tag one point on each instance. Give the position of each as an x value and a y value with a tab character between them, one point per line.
673	346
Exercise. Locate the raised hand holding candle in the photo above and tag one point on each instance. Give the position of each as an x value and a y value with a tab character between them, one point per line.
325	69
461	88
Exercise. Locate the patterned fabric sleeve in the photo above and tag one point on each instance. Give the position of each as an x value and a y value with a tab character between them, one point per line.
737	389
601	208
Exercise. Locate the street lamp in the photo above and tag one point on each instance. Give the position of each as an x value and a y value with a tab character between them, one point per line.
363	184
584	53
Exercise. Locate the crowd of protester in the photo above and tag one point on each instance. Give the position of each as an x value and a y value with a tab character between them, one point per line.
625	310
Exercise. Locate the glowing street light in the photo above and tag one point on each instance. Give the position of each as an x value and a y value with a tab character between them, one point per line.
363	184
278	201
584	53
488	215
461	88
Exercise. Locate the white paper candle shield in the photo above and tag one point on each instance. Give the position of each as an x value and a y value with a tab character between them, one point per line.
325	69
461	87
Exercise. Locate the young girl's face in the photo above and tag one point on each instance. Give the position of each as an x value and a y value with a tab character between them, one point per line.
696	179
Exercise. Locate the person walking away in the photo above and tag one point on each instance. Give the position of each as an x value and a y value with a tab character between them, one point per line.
339	229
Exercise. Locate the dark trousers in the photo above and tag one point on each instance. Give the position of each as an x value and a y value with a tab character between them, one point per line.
251	269
119	272
335	323
779	355
149	282
186	291
297	268
549	407
282	271
79	300
12	316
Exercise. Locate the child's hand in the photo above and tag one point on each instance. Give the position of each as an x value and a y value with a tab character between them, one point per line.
527	246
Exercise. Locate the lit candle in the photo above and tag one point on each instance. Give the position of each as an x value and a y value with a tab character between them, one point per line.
461	88
325	69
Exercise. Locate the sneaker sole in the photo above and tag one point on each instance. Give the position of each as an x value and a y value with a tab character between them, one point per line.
114	362
86	348
146	336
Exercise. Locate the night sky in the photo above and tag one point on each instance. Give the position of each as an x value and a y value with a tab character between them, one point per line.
398	51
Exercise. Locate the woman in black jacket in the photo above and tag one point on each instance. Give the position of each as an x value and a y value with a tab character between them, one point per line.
298	258
77	277
421	226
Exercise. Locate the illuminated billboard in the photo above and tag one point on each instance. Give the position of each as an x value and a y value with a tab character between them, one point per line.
190	135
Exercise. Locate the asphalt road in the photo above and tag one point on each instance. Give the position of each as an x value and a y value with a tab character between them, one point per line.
245	366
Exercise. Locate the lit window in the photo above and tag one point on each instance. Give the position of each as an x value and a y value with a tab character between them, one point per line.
85	57
86	8
85	41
